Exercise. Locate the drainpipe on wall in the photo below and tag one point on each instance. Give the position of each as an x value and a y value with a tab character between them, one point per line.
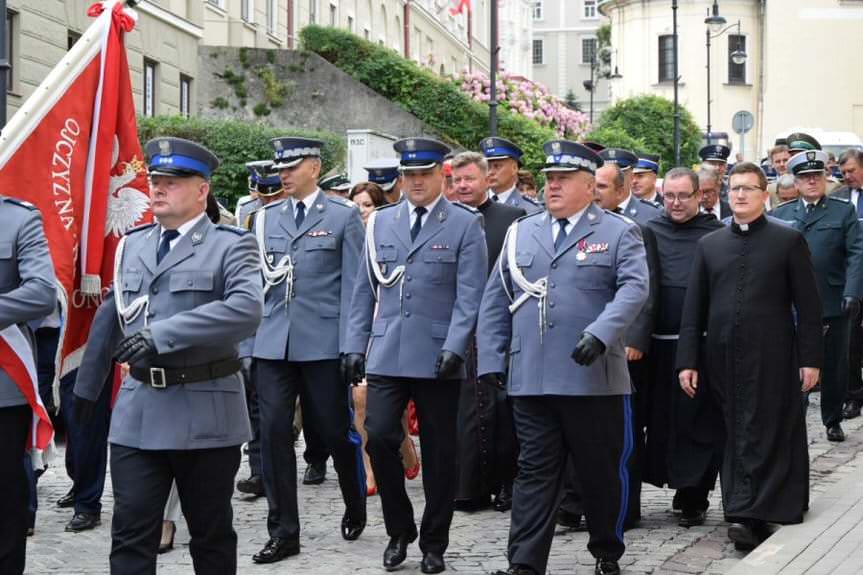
407	21
290	24
759	136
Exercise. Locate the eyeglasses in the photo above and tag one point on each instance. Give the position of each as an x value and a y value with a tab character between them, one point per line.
682	197
745	189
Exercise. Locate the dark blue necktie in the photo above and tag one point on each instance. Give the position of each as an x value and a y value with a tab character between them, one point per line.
494	198
165	244
301	213
561	235
418	222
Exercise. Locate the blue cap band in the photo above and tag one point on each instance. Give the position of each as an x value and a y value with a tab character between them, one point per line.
180	163
647	165
501	151
422	156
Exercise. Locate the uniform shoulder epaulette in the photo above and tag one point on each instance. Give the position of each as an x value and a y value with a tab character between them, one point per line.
234	229
650	203
273	204
340	201
22	203
835	199
471	209
530	215
387	206
141	228
620	216
785	203
530	200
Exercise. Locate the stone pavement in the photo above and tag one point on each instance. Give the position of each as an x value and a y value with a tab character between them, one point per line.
477	540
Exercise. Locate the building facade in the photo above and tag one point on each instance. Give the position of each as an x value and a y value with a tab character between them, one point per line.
515	30
563	48
796	51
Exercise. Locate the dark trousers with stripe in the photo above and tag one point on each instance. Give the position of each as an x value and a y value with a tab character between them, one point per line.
437	408
325	402
834	376
14	424
597	432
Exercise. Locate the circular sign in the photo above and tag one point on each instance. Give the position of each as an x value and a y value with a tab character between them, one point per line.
742	122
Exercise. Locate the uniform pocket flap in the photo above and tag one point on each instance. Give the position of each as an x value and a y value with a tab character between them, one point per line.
446	256
595	260
829	226
386	254
5	250
439	329
132	281
379	327
515	344
323	243
524	260
277	244
191	281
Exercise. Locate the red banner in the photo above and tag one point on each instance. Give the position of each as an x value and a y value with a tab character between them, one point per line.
72	150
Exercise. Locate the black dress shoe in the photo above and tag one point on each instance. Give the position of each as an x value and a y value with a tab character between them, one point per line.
516	570
567	519
606	567
676	506
835	433
397	549
67	500
745	537
276	549
315	474
254	485
503	499
692	518
353	525
851	409
83	522
432	563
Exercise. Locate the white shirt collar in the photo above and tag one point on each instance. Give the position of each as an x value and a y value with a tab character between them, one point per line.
573	220
429	208
625	204
308	201
184	228
503	196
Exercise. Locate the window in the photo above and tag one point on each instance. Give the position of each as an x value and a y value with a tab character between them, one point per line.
247	10
538	56
11	28
666	58
185	95
588	50
350	23
736	72
149	87
590	8
272	16
71	38
537	10
313	11
334	15
217	3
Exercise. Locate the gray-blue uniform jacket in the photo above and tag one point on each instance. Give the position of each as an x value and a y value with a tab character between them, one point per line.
435	303
27	284
597	283
518	200
640	210
204	298
325	252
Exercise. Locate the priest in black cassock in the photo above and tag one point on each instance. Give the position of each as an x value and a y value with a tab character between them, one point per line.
683	447
487	446
752	289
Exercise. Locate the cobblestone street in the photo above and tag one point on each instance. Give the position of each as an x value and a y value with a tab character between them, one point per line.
477	541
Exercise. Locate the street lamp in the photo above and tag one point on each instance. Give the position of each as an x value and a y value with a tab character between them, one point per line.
492	76
676	86
714	30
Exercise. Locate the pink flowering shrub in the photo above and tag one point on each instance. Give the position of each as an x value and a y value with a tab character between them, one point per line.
529	99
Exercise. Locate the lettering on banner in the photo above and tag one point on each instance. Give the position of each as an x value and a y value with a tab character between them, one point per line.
61	169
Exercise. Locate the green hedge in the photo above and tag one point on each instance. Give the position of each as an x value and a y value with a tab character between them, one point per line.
436	101
649	120
236	143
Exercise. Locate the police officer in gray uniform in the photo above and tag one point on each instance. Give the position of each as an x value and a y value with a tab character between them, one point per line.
385	173
504	159
632	206
570	281
26	293
310	248
413	312
186	292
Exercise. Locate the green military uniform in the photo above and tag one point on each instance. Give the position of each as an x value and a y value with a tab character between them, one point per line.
832	232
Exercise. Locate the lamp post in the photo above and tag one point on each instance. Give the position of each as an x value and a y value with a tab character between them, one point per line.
492	77
676	85
716	22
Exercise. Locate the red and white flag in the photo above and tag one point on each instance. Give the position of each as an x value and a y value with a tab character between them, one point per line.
459	6
72	150
16	359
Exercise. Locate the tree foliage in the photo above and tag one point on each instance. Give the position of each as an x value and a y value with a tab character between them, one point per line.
649	120
236	143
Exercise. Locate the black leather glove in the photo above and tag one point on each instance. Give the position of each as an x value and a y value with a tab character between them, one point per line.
136	347
587	349
84	410
496	380
353	368
850	306
448	365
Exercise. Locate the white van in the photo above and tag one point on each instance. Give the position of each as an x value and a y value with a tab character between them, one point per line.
835	142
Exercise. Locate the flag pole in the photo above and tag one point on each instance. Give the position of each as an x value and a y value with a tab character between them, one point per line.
4	67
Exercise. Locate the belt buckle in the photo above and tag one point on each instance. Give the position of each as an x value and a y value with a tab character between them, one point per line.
158	373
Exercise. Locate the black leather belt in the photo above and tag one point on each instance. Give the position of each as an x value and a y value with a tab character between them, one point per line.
162	377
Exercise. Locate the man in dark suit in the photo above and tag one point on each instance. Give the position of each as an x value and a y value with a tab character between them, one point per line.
710	184
851	164
487	448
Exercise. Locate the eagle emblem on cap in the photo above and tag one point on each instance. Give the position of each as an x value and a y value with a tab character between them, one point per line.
277	144
488	143
810	156
718	149
411	145
164	147
555	147
612	153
